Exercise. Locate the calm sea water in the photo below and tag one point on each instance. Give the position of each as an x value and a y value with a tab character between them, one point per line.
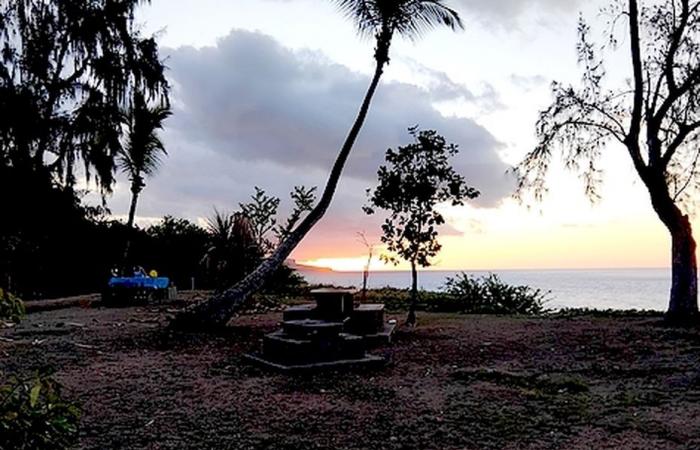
603	288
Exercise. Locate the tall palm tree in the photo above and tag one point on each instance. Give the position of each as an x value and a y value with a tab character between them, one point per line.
140	157
381	19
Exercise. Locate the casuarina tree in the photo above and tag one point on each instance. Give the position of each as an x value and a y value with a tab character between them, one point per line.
416	180
655	119
68	70
381	19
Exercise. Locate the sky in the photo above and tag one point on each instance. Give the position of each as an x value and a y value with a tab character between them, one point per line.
264	92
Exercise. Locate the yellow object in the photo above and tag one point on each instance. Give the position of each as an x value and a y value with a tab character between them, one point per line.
153	274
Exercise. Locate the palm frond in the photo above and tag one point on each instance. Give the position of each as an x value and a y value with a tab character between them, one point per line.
408	18
143	151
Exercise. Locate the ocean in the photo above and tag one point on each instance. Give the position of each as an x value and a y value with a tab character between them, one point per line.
599	288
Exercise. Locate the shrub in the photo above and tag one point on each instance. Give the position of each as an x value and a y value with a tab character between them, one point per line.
34	416
11	307
490	295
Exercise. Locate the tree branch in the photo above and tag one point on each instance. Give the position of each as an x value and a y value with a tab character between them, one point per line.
683	132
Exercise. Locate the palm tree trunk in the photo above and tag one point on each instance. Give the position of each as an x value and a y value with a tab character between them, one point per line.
411	319
217	310
130	224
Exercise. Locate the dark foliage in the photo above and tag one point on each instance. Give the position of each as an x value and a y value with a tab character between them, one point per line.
69	70
416	179
465	294
11	307
34	416
490	295
48	241
52	246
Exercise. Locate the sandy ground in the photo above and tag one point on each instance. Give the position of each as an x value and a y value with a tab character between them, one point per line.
455	382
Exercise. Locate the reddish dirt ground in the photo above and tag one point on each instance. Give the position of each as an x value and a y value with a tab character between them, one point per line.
455	382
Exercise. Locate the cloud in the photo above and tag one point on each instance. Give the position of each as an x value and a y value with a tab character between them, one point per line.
528	83
253	100
508	11
251	112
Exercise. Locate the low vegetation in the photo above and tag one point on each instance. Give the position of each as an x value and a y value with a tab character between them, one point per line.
33	415
466	294
11	307
490	295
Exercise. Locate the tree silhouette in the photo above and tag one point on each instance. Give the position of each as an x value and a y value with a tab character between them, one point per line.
232	248
416	179
68	69
140	156
656	120
381	19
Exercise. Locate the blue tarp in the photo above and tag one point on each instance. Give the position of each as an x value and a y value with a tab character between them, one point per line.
140	282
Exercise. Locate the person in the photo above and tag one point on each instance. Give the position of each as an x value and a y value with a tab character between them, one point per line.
139	272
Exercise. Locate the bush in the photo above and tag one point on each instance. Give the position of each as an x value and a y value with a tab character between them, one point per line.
490	295
34	416
11	307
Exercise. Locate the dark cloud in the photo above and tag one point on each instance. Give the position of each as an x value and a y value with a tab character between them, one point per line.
250	112
252	100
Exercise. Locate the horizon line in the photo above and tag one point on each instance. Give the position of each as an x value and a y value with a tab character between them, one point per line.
328	269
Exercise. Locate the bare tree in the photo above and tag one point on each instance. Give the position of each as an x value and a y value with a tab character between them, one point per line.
655	118
362	237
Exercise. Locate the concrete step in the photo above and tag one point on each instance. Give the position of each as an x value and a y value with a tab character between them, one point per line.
312	329
367	319
300	312
283	348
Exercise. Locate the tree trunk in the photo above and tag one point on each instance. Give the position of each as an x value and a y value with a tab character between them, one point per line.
411	319
130	225
683	303
216	311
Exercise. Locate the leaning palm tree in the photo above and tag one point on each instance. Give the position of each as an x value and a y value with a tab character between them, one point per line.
381	19
141	155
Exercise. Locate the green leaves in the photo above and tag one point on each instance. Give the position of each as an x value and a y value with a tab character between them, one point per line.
11	307
33	415
34	394
416	179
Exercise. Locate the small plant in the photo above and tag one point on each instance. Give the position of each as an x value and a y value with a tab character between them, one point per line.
11	307
34	416
490	295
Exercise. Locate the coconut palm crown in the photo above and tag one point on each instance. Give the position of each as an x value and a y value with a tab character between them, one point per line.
140	156
407	18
